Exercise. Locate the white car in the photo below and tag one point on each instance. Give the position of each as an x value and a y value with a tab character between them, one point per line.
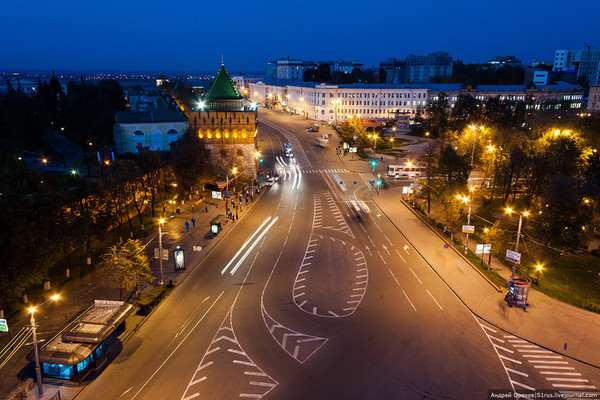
270	181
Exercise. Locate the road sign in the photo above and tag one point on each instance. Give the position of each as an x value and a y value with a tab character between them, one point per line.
165	255
216	194
487	248
352	149
415	186
468	228
513	256
3	325
227	194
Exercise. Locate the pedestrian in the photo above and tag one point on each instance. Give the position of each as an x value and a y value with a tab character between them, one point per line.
381	158
193	222
187	226
206	209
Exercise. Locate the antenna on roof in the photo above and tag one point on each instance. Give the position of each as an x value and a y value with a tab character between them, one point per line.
222	60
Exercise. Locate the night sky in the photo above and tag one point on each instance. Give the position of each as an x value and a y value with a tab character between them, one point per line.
131	35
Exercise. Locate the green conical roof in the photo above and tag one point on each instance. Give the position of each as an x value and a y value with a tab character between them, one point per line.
223	88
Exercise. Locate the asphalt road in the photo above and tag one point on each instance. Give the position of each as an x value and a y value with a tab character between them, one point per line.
308	298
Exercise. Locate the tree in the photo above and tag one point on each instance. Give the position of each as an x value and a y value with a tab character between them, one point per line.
429	160
191	160
323	73
454	168
382	75
437	112
564	215
128	264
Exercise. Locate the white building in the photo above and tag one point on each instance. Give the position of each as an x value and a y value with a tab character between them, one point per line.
594	98
382	102
585	61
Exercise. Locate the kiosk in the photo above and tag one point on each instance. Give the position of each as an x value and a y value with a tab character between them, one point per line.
518	289
215	224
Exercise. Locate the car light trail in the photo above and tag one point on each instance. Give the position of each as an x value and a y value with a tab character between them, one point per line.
253	245
244	245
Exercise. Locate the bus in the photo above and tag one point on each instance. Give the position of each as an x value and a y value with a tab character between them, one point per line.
405	171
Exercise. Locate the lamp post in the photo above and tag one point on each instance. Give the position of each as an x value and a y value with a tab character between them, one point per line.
467	199
521	215
160	259
38	373
539	268
234	170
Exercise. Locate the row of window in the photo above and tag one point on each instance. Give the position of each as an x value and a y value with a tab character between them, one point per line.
169	132
225	133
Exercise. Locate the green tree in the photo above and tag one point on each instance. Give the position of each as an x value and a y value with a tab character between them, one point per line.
128	264
437	112
191	161
454	169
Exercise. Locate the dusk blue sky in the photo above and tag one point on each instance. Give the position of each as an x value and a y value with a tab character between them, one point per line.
187	35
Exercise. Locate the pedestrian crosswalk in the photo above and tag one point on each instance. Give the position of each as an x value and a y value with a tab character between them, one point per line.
310	171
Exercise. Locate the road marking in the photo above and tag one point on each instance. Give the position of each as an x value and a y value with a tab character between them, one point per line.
198	380
409	300
400	255
299	287
264	232
552	367
560	373
406	249
567	379
514	371
192	396
567	386
413	272
388	239
487	327
540	356
255	373
369	237
438	304
180	343
502	348
509	359
524	386
303	303
386	249
547	362
382	259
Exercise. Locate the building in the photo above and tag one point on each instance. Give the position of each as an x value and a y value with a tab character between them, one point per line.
227	126
82	345
294	69
381	102
418	69
504	61
594	98
586	63
154	123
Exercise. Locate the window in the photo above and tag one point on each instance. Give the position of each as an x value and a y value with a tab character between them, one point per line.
138	133
57	371
173	132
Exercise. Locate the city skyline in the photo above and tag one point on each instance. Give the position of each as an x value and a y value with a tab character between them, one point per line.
190	36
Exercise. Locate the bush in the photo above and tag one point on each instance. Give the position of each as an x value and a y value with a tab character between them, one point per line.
149	301
590	305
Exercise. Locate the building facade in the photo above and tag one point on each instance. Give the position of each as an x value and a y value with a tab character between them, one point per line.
294	69
586	63
227	126
594	98
381	102
418	69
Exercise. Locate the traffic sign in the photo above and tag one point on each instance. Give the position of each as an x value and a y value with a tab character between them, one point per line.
216	194
165	255
513	256
3	325
352	149
468	228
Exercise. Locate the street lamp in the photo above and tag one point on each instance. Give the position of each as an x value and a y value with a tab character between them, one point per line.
521	215
374	137
467	199
474	128
539	268
160	260
38	373
234	170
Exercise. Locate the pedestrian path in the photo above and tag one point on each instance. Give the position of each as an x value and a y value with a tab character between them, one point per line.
310	171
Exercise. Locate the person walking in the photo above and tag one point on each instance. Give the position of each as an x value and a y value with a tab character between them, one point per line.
187	226
193	222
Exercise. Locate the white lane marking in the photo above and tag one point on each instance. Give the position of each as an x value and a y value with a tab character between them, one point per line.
534	351
192	396
438	304
409	300
509	359
540	356
180	343
553	367
303	303
393	276
382	259
253	245
406	249
567	386
502	348
255	373
400	255
487	327
413	272
244	245
498	339
524	386
386	249
560	373
565	379
514	371
369	237
388	239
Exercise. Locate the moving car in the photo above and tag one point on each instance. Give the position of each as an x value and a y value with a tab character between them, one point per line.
270	181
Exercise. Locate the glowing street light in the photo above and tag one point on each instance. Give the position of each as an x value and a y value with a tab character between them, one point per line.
467	199
538	268
38	374
521	215
233	171
160	260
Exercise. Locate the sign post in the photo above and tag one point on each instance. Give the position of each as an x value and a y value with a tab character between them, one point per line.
513	256
3	325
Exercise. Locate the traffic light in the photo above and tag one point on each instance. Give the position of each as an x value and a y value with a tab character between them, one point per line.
373	162
378	182
260	160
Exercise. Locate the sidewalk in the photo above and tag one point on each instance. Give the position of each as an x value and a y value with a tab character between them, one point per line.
78	294
550	323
